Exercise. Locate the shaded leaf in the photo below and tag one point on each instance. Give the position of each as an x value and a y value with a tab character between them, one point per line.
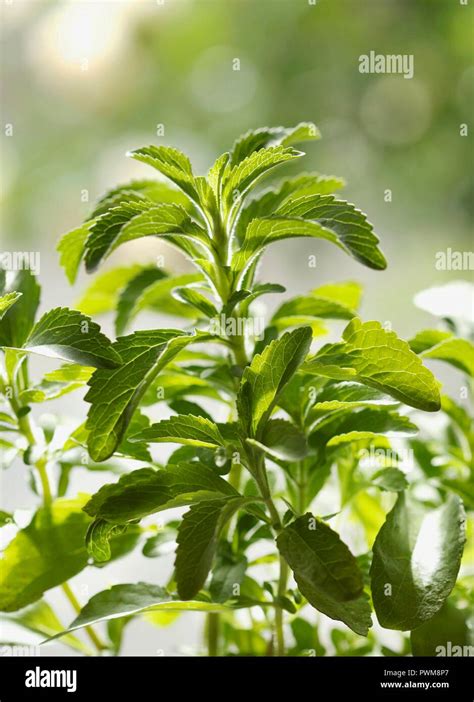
417	554
326	572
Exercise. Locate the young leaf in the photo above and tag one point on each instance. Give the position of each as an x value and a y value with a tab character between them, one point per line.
71	248
131	294
172	163
57	383
149	290
134	598
417	554
266	377
46	553
257	139
70	335
443	346
378	358
241	177
146	491
98	538
6	301
139	190
266	203
326	572
183	429
197	542
192	297
114	394
246	297
334	220
17	321
102	294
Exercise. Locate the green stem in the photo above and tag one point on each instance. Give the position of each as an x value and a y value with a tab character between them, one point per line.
41	466
66	588
213	626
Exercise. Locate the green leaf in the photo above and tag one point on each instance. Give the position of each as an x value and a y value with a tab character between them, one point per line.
376	420
257	139
98	538
448	633
159	296
227	574
347	395
6	301
183	429
41	619
266	377
197	542
239	178
146	491
417	554
326	572
171	222
115	394
282	440
106	229
443	346
172	163
139	190
17	321
267	202
390	479
57	383
134	598
190	296
319	216
132	292
246	297
70	335
216	172
130	221
46	553
71	248
103	293
378	358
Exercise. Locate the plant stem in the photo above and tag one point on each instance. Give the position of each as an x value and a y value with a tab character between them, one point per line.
66	588
213	625
41	465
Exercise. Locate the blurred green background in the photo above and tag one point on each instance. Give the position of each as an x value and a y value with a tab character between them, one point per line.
86	81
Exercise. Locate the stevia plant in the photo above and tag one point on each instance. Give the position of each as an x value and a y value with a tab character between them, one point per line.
266	425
